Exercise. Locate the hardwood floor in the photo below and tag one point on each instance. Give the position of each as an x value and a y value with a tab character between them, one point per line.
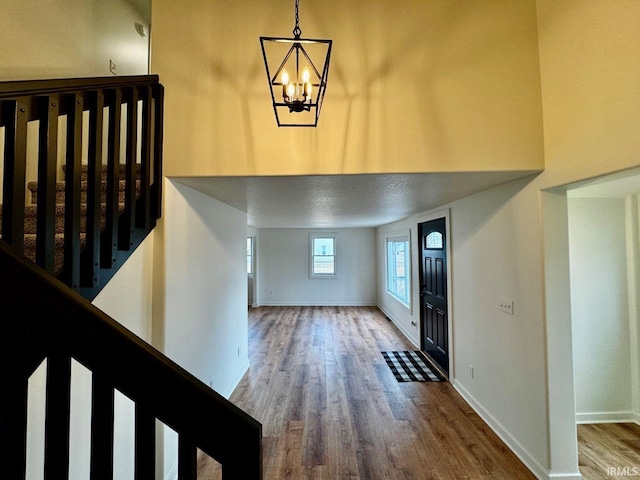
609	451
331	408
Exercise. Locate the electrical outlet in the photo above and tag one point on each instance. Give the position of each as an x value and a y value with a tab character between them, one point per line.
113	66
506	305
471	373
414	324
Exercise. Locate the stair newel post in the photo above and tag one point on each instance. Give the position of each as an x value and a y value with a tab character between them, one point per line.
90	267
73	190
129	213
143	211
48	113
14	117
110	245
158	137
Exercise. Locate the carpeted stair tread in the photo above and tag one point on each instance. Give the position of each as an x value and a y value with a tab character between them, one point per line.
30	249
84	171
30	220
31	210
60	191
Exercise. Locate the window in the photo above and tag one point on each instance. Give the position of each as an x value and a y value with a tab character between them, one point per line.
250	256
398	268
322	258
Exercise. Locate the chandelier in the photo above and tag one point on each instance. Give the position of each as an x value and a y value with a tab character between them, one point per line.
297	71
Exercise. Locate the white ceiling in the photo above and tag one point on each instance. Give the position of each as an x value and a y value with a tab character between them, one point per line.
341	201
616	185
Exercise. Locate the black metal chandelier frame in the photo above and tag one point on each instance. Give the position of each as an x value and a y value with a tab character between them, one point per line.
298	93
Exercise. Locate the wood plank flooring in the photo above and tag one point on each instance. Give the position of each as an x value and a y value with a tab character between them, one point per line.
331	408
609	451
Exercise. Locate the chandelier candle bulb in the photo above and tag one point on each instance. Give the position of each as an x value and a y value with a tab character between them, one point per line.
285	82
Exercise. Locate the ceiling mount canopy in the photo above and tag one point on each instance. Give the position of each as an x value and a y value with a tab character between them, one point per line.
297	71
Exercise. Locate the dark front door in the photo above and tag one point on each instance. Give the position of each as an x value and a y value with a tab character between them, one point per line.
434	339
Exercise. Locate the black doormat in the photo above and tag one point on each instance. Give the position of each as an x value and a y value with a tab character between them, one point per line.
411	366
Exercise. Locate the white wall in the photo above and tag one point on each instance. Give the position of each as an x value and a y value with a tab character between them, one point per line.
283	268
490	258
206	287
71	38
633	270
406	318
600	309
200	292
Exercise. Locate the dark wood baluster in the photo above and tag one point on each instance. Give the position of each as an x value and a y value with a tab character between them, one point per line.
128	216
15	116
158	136
249	467
110	245
143	210
187	459
145	442
13	399
56	437
48	111
90	267
102	415
73	191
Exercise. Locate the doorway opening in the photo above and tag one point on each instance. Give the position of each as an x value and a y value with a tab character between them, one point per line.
592	246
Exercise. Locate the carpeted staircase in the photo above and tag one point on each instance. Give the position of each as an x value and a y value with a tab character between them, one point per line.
31	210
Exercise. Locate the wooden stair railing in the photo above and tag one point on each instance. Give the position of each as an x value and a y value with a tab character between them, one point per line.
60	325
110	201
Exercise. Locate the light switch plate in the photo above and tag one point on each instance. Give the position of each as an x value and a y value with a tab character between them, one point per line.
506	305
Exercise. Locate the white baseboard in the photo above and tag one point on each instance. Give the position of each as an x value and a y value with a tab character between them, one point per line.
173	473
565	476
404	331
636	418
276	303
607	417
540	471
226	393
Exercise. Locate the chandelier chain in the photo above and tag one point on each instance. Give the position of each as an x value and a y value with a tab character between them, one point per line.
296	31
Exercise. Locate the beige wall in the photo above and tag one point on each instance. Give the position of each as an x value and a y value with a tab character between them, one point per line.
74	38
423	88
